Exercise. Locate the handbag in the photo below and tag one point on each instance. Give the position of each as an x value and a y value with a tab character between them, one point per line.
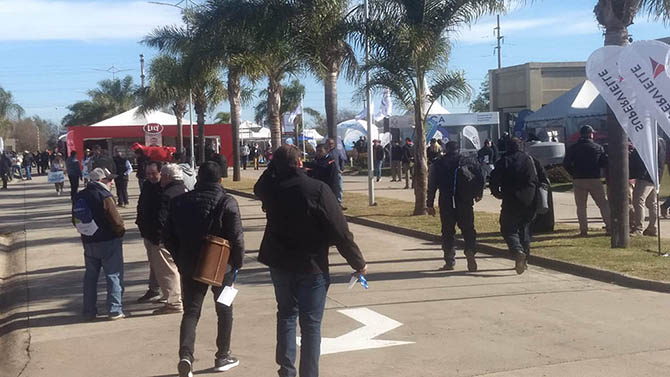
214	254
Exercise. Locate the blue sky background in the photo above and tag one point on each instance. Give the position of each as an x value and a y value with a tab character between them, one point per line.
52	52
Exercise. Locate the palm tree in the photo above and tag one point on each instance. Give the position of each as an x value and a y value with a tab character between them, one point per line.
321	38
409	47
222	117
291	98
112	97
615	16
8	109
168	86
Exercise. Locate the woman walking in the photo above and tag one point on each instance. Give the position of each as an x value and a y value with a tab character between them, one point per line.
57	173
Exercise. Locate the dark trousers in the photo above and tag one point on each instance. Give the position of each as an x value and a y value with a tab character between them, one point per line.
193	293
122	189
515	228
74	185
245	161
301	296
4	180
464	216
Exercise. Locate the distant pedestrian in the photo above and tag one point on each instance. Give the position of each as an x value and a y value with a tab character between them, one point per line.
254	155
298	260
340	158
188	222
141	160
17	161
5	169
57	173
516	179
396	161
101	159
188	174
218	158
147	222
74	175
323	168
584	161
101	227
377	158
44	161
434	151
461	183
28	165
244	154
487	156
123	169
408	162
86	163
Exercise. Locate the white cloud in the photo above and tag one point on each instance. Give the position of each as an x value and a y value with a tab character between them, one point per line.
580	23
82	20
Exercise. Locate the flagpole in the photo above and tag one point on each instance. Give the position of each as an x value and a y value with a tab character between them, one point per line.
657	187
368	117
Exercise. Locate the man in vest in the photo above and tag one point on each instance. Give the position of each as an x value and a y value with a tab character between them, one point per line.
95	216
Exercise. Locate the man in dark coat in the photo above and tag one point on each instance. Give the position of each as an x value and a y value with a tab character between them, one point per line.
396	161
192	216
5	169
515	180
377	158
408	162
340	158
73	167
148	223
323	168
303	220
461	183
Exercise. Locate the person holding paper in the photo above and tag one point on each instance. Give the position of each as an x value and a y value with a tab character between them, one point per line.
303	220
208	209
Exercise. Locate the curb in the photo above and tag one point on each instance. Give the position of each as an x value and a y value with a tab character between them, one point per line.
548	263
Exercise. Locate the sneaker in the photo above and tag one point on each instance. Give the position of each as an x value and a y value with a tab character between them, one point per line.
149	296
520	266
222	365
447	267
185	368
472	263
650	232
635	233
115	316
168	310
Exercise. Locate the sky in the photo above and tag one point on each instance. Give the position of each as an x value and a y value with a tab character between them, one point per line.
53	52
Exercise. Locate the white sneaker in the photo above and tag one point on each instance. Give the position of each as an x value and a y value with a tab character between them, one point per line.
185	368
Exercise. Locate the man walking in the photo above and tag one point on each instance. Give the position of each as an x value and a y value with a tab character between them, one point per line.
396	162
461	183
101	227
244	153
340	158
515	180
206	210
28	165
73	168
298	260
323	168
378	157
585	161
5	169
124	168
408	162
147	222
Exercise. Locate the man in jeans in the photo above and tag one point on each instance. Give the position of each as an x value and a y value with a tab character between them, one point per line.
101	227
206	210
73	168
585	161
298	261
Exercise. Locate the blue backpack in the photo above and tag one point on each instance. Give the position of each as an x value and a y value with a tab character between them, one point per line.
83	218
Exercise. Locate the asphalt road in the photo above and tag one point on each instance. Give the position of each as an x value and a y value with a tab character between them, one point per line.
455	323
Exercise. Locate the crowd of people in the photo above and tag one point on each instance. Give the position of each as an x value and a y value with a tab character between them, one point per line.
14	165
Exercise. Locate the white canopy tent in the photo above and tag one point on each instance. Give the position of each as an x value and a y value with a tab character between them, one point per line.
252	131
134	117
352	130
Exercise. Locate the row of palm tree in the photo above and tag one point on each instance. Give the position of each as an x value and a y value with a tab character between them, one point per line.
110	98
9	110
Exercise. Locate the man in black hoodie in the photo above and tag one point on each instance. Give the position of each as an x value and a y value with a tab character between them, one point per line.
461	183
191	217
303	220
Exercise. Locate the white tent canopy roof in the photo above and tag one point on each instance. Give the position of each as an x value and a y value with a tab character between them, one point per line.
134	117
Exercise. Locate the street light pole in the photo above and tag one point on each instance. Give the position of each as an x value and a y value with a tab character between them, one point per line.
368	115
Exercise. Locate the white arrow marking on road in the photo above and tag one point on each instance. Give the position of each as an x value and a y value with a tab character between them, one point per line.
361	338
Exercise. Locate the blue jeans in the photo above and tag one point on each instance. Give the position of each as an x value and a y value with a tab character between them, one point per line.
109	256
340	192
302	296
29	173
378	169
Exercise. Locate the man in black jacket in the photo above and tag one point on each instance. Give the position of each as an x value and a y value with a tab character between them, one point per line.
396	161
408	162
378	158
323	168
192	216
584	161
461	183
515	180
148	207
5	169
303	219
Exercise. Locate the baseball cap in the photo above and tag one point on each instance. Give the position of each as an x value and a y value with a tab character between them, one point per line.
98	174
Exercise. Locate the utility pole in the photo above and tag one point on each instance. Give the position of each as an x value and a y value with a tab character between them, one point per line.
368	115
499	39
142	76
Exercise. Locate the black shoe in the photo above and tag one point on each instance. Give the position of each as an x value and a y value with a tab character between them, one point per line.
664	211
520	265
185	368
149	296
447	267
472	263
227	363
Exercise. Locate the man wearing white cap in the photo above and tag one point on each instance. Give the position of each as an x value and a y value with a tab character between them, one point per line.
95	216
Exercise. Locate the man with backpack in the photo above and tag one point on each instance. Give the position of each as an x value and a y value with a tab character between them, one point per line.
461	183
96	218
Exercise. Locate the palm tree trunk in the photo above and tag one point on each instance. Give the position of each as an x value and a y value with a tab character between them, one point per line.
234	98
617	180
274	106
200	107
178	110
420	165
330	91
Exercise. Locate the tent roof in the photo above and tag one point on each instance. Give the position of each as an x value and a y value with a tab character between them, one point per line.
581	101
134	117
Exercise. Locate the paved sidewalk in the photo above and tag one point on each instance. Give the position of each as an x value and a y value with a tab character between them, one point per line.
489	323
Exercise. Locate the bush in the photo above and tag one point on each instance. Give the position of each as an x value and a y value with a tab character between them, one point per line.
558	174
